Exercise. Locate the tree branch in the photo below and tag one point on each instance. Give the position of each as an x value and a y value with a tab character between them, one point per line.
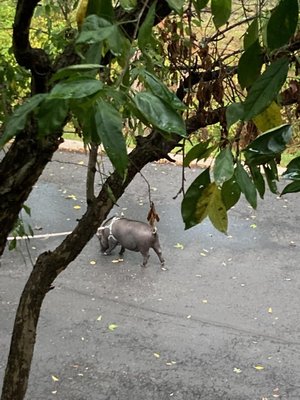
34	59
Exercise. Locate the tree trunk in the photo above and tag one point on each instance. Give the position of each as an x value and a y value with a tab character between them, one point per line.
19	171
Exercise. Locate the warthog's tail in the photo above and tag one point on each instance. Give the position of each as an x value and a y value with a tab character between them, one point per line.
154	231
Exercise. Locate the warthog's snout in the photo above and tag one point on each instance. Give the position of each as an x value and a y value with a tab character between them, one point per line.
131	235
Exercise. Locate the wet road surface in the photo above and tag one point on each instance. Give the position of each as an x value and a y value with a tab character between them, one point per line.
221	323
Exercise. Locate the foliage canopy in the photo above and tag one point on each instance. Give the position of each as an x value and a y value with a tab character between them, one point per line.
161	77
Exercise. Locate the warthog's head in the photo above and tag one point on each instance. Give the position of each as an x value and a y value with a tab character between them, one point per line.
102	235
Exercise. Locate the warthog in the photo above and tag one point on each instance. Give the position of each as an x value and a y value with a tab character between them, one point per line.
131	235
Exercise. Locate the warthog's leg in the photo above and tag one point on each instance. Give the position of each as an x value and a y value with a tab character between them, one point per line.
145	258
159	254
122	251
112	243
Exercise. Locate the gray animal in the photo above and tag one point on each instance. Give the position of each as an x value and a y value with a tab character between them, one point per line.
131	235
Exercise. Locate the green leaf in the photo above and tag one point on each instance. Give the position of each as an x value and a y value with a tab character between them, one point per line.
234	113
128	5
271	178
282	23
27	209
246	185
75	89
196	153
85	115
109	129
117	42
221	10
102	8
199	5
94	30
145	31
230	192
293	187
223	168
159	113
266	88
161	91
51	115
176	5
74	71
258	180
268	145
251	34
250	64
12	244
194	192
293	170
18	119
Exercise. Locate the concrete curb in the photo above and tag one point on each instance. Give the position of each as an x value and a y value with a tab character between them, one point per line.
78	147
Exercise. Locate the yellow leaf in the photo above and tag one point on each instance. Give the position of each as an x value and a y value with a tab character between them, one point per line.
253	226
92	262
179	246
270	310
77	207
157	355
237	370
259	367
204	301
81	11
81	163
269	118
112	327
211	204
99	318
117	260
71	196
203	254
54	378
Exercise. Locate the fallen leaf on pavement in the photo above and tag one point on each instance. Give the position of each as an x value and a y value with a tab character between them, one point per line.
179	246
54	378
112	327
259	367
237	370
71	196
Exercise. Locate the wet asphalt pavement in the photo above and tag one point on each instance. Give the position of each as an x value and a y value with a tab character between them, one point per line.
221	324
